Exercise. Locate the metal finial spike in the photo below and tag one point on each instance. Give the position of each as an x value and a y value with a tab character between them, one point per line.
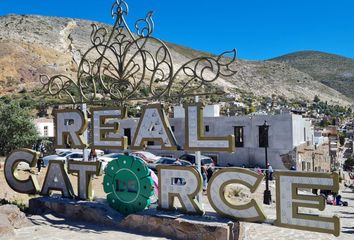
119	8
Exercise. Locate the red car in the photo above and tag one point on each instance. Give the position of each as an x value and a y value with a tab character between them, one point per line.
146	156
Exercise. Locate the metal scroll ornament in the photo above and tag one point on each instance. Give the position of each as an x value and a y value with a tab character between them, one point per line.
122	66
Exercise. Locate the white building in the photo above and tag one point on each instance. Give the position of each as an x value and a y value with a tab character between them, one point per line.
286	132
45	127
208	111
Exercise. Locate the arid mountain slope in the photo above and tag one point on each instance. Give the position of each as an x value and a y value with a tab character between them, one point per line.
332	70
34	45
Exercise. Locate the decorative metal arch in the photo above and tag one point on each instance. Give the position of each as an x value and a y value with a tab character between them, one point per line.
122	66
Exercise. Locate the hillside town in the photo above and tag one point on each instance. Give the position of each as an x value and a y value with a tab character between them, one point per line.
106	131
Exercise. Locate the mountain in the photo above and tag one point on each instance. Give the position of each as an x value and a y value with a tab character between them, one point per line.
34	45
332	70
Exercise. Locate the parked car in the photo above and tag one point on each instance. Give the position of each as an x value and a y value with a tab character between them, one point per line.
65	156
75	156
87	150
105	159
60	156
205	160
166	161
110	156
146	156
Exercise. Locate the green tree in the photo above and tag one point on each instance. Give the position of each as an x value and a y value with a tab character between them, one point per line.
16	127
316	99
252	109
341	138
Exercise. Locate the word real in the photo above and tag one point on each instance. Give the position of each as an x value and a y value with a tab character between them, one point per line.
129	186
153	126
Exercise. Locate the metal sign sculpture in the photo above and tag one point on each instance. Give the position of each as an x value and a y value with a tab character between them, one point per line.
122	66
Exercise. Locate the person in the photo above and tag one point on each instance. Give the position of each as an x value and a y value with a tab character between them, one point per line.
259	170
205	177
178	163
330	199
154	197
93	155
270	172
39	147
210	172
339	201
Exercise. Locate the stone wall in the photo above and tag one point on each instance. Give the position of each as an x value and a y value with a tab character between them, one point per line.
151	222
11	218
311	158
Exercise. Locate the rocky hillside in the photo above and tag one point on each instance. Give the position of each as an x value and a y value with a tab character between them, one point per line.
34	45
332	70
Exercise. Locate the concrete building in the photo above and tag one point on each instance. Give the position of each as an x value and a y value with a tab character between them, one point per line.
208	111
286	133
289	135
314	158
45	127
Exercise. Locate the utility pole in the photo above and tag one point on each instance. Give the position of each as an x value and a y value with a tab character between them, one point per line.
198	160
267	196
85	135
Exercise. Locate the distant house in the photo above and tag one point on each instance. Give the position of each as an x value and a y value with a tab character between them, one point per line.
45	127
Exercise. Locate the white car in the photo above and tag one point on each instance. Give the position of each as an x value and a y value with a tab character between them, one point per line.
64	156
105	159
87	150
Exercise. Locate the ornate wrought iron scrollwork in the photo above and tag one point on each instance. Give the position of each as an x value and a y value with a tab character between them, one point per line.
122	66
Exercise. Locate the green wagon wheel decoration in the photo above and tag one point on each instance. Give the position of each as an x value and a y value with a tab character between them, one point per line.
128	184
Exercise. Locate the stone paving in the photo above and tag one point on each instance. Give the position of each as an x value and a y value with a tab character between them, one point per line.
53	228
267	231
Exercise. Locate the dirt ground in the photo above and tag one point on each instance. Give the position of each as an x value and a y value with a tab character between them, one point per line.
7	193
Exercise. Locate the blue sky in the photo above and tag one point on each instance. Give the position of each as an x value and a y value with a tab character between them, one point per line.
258	29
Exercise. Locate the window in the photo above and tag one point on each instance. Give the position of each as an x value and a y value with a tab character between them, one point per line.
75	155
206	161
173	128
127	133
206	128
303	165
188	157
169	161
45	131
263	137
238	132
68	122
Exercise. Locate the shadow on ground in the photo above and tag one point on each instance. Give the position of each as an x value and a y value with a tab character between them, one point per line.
59	222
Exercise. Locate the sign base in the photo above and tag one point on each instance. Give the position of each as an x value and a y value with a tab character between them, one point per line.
152	222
